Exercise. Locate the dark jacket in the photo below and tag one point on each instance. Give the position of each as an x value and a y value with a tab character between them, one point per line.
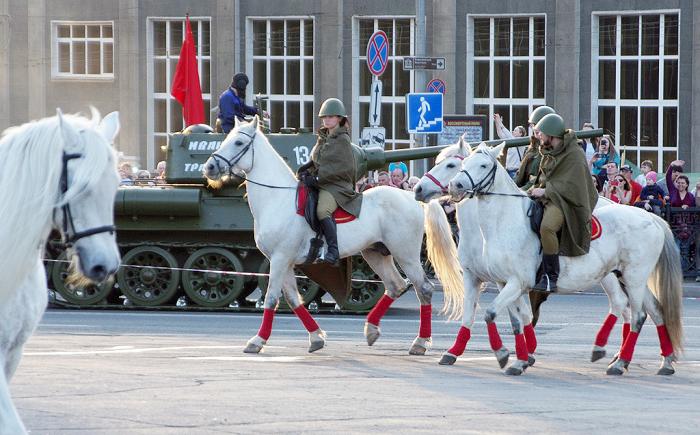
529	166
564	175
334	165
230	106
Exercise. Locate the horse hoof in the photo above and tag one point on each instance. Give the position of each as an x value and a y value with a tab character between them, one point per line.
502	356
666	371
614	359
317	340
597	353
530	360
615	370
254	345
420	346
372	333
516	369
447	359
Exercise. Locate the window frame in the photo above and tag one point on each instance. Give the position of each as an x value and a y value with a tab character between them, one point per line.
359	57
639	103
302	99
152	96
57	75
531	101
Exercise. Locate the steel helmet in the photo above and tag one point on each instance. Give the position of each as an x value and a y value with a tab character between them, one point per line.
539	113
332	107
551	125
198	128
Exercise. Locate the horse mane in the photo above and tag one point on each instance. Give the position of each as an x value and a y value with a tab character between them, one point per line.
31	162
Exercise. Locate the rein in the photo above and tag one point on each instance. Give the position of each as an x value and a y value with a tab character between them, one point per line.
237	157
68	224
487	182
430	177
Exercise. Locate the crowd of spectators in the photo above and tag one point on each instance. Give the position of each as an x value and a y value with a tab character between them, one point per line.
129	176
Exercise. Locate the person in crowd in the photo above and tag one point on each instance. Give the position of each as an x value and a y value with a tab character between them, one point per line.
399	178
606	154
611	171
412	181
363	184
514	155
399	165
626	171
652	196
384	179
674	170
618	190
596	183
568	203
143	177
529	170
589	145
232	103
331	170
646	167
679	196
160	172
126	173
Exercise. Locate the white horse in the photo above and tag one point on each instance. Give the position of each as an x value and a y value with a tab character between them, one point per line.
389	215
638	247
59	172
434	185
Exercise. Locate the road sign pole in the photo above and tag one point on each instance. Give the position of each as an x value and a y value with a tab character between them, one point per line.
419	167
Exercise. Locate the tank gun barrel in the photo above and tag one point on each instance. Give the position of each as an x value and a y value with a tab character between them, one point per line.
375	158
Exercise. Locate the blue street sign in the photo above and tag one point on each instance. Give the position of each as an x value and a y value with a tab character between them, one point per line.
424	113
436	85
377	52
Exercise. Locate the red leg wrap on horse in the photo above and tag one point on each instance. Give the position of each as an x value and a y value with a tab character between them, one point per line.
494	338
266	326
625	331
665	340
628	347
604	333
521	347
379	310
426	312
463	337
308	321
530	338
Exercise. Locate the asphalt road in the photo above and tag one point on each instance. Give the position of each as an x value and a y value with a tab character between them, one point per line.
99	372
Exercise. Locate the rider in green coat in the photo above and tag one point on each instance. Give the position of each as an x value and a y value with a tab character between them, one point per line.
332	171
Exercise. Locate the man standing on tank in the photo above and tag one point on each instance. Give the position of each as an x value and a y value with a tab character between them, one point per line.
232	103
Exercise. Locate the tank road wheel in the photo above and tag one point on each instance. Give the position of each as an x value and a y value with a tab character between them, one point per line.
48	266
89	295
152	278
204	285
363	295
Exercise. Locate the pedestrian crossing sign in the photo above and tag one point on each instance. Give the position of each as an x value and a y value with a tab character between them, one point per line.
424	112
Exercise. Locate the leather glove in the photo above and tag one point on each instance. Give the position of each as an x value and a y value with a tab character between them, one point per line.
304	168
310	180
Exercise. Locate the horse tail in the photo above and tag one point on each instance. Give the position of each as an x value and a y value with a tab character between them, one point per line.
666	282
442	254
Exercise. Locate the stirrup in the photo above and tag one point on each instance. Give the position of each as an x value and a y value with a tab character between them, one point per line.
545	285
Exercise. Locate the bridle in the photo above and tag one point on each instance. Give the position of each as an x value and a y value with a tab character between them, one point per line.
70	235
238	156
482	187
430	177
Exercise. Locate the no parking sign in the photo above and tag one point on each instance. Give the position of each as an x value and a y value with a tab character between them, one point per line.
436	85
377	52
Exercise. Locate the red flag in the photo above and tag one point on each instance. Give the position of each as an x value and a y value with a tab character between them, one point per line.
186	87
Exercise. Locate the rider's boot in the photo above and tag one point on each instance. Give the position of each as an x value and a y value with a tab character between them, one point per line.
548	282
330	233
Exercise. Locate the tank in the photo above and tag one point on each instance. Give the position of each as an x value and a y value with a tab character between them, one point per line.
184	244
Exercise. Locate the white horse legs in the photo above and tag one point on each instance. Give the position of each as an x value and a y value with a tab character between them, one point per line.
636	293
317	337
471	298
668	357
618	303
10	422
508	296
272	296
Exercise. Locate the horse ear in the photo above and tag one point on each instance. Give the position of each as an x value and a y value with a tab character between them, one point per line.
463	147
109	126
498	149
68	133
236	122
255	122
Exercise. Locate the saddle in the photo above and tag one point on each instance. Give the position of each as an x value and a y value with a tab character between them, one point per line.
536	212
307	200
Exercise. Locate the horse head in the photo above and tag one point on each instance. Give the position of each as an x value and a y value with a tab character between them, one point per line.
88	185
478	172
448	163
236	153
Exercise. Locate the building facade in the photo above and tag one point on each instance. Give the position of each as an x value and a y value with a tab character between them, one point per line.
627	67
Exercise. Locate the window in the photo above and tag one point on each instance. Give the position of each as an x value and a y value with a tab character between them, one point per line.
635	84
505	68
396	82
281	58
82	50
164	112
